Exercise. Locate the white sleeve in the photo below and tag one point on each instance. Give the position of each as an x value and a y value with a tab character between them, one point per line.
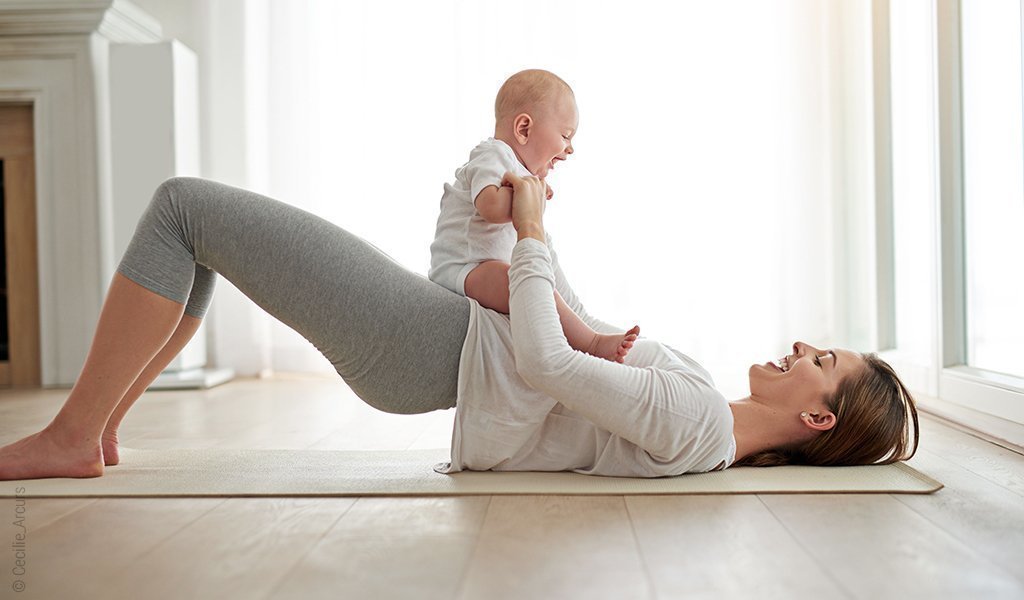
563	287
486	169
658	410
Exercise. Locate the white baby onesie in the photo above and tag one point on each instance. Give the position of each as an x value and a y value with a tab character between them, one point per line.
463	238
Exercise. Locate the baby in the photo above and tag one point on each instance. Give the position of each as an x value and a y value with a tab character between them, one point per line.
535	121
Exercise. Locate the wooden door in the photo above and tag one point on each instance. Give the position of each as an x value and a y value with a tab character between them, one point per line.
19	290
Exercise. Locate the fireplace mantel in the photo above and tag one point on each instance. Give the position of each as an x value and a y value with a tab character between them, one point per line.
116	20
54	55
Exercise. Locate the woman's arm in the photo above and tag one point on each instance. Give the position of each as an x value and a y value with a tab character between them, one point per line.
652	408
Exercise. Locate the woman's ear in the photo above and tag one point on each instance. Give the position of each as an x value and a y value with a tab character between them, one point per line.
822	421
521	127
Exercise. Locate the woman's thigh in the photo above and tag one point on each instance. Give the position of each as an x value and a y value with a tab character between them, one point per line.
394	336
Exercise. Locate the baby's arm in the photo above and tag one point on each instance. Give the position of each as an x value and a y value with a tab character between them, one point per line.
494	204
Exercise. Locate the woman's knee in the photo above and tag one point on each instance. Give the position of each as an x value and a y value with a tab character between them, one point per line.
172	190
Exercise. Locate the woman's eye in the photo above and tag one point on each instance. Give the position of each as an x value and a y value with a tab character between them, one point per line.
817	361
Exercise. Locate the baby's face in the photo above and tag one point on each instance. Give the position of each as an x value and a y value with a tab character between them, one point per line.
551	136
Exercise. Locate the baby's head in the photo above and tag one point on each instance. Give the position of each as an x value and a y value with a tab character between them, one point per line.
535	113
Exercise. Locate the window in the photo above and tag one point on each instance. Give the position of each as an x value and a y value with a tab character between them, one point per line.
993	184
957	210
914	178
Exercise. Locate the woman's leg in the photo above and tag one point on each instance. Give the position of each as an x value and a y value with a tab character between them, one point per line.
134	324
187	328
394	336
198	300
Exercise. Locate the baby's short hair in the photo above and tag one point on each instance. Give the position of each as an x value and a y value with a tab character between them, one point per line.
525	90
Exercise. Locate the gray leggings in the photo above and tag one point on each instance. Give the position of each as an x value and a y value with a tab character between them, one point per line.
394	336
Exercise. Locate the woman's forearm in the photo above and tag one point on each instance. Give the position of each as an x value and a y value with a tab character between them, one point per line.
531	230
633	403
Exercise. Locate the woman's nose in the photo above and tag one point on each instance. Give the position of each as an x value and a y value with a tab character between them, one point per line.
801	347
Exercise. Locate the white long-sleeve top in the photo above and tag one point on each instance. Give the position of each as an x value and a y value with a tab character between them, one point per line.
527	401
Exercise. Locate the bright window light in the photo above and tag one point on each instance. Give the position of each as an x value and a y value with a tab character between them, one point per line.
914	176
700	200
993	184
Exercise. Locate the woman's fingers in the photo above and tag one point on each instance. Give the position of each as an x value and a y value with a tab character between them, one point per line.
511	179
517	182
527	199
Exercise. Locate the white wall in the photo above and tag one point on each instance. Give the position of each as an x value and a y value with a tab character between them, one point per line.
239	331
819	150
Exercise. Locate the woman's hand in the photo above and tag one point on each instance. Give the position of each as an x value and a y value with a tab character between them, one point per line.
528	198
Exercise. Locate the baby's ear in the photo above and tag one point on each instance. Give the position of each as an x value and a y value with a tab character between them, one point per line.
521	127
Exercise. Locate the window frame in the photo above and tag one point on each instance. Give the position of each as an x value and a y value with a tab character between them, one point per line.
948	386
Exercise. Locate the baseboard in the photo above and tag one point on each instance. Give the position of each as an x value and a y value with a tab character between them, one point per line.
1002	432
192	379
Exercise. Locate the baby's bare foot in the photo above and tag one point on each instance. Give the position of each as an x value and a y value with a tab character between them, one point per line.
615	346
43	454
108	442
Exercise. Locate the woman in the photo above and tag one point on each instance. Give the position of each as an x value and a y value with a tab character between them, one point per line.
525	400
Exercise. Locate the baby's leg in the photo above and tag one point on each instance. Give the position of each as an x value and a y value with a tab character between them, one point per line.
610	346
488	285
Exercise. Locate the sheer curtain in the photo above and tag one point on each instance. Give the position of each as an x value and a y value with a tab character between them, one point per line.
700	202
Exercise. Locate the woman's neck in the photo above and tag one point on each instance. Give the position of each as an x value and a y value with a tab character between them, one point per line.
757	428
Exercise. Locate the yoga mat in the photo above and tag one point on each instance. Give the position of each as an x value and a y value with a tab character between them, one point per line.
244	473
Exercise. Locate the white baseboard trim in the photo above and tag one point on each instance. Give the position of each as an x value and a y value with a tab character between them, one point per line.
191	379
1002	432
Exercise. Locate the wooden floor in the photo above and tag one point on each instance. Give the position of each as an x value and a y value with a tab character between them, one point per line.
966	541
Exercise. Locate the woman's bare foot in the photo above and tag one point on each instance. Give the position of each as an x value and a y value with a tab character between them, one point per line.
614	346
45	454
108	442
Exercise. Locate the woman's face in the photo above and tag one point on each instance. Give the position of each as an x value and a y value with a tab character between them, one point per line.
803	380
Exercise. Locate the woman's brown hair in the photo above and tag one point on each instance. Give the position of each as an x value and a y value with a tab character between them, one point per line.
874	412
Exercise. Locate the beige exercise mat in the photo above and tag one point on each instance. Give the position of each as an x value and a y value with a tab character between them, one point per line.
226	472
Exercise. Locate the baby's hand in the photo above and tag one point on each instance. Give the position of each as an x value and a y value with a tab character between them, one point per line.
548	194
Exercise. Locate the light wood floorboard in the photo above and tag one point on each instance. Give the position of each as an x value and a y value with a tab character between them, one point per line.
556	547
715	547
390	548
241	548
965	541
980	514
